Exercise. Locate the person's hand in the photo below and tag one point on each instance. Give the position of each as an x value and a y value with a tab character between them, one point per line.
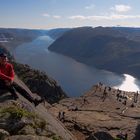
8	83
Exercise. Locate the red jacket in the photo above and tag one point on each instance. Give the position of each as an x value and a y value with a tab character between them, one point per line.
7	72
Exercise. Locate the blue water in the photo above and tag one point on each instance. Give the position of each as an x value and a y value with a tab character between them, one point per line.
75	78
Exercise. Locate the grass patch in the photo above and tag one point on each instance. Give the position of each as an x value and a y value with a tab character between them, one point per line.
55	137
16	112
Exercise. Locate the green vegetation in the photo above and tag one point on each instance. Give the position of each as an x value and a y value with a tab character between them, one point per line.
55	137
39	123
16	112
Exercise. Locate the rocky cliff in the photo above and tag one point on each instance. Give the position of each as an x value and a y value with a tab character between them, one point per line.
22	120
101	114
40	83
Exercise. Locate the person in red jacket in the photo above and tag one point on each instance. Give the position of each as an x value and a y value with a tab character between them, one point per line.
6	80
6	75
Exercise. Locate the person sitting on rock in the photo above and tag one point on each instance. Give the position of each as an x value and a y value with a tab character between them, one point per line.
6	80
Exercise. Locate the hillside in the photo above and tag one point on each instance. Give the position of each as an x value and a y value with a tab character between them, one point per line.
12	37
16	37
113	49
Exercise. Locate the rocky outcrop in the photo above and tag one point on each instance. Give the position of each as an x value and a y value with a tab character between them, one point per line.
3	134
112	117
27	137
40	83
21	119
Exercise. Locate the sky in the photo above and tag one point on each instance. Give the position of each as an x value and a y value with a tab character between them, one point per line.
48	14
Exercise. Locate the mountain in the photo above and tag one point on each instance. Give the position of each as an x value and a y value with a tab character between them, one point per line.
16	37
111	48
56	33
12	37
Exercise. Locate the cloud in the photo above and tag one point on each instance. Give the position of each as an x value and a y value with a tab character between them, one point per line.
105	17
90	7
56	17
121	8
46	15
78	17
51	16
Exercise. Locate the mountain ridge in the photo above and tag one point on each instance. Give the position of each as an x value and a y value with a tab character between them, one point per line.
102	47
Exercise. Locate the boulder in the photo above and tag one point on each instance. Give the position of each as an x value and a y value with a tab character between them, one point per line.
3	134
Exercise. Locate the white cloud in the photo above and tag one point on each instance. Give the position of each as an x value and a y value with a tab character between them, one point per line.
46	15
51	16
105	17
56	17
121	8
78	17
90	7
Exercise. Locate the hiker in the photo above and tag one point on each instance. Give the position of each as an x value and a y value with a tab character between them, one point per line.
136	97
118	95
85	101
100	86
96	88
61	116
125	101
6	80
104	94
109	89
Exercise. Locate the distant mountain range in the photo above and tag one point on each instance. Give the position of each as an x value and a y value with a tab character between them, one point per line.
12	37
115	49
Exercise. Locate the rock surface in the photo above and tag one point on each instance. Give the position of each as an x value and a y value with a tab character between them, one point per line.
92	117
22	120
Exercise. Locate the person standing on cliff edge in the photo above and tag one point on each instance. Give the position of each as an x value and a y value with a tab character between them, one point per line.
6	80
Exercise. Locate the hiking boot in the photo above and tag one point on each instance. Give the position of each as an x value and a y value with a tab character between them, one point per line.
15	97
37	102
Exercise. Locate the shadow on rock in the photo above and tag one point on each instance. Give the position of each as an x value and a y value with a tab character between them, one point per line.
137	134
103	136
4	96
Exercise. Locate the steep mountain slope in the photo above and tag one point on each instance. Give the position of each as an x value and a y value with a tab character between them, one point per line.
56	33
40	83
21	120
106	48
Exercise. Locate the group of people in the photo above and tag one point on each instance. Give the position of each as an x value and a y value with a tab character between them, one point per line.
7	75
120	95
